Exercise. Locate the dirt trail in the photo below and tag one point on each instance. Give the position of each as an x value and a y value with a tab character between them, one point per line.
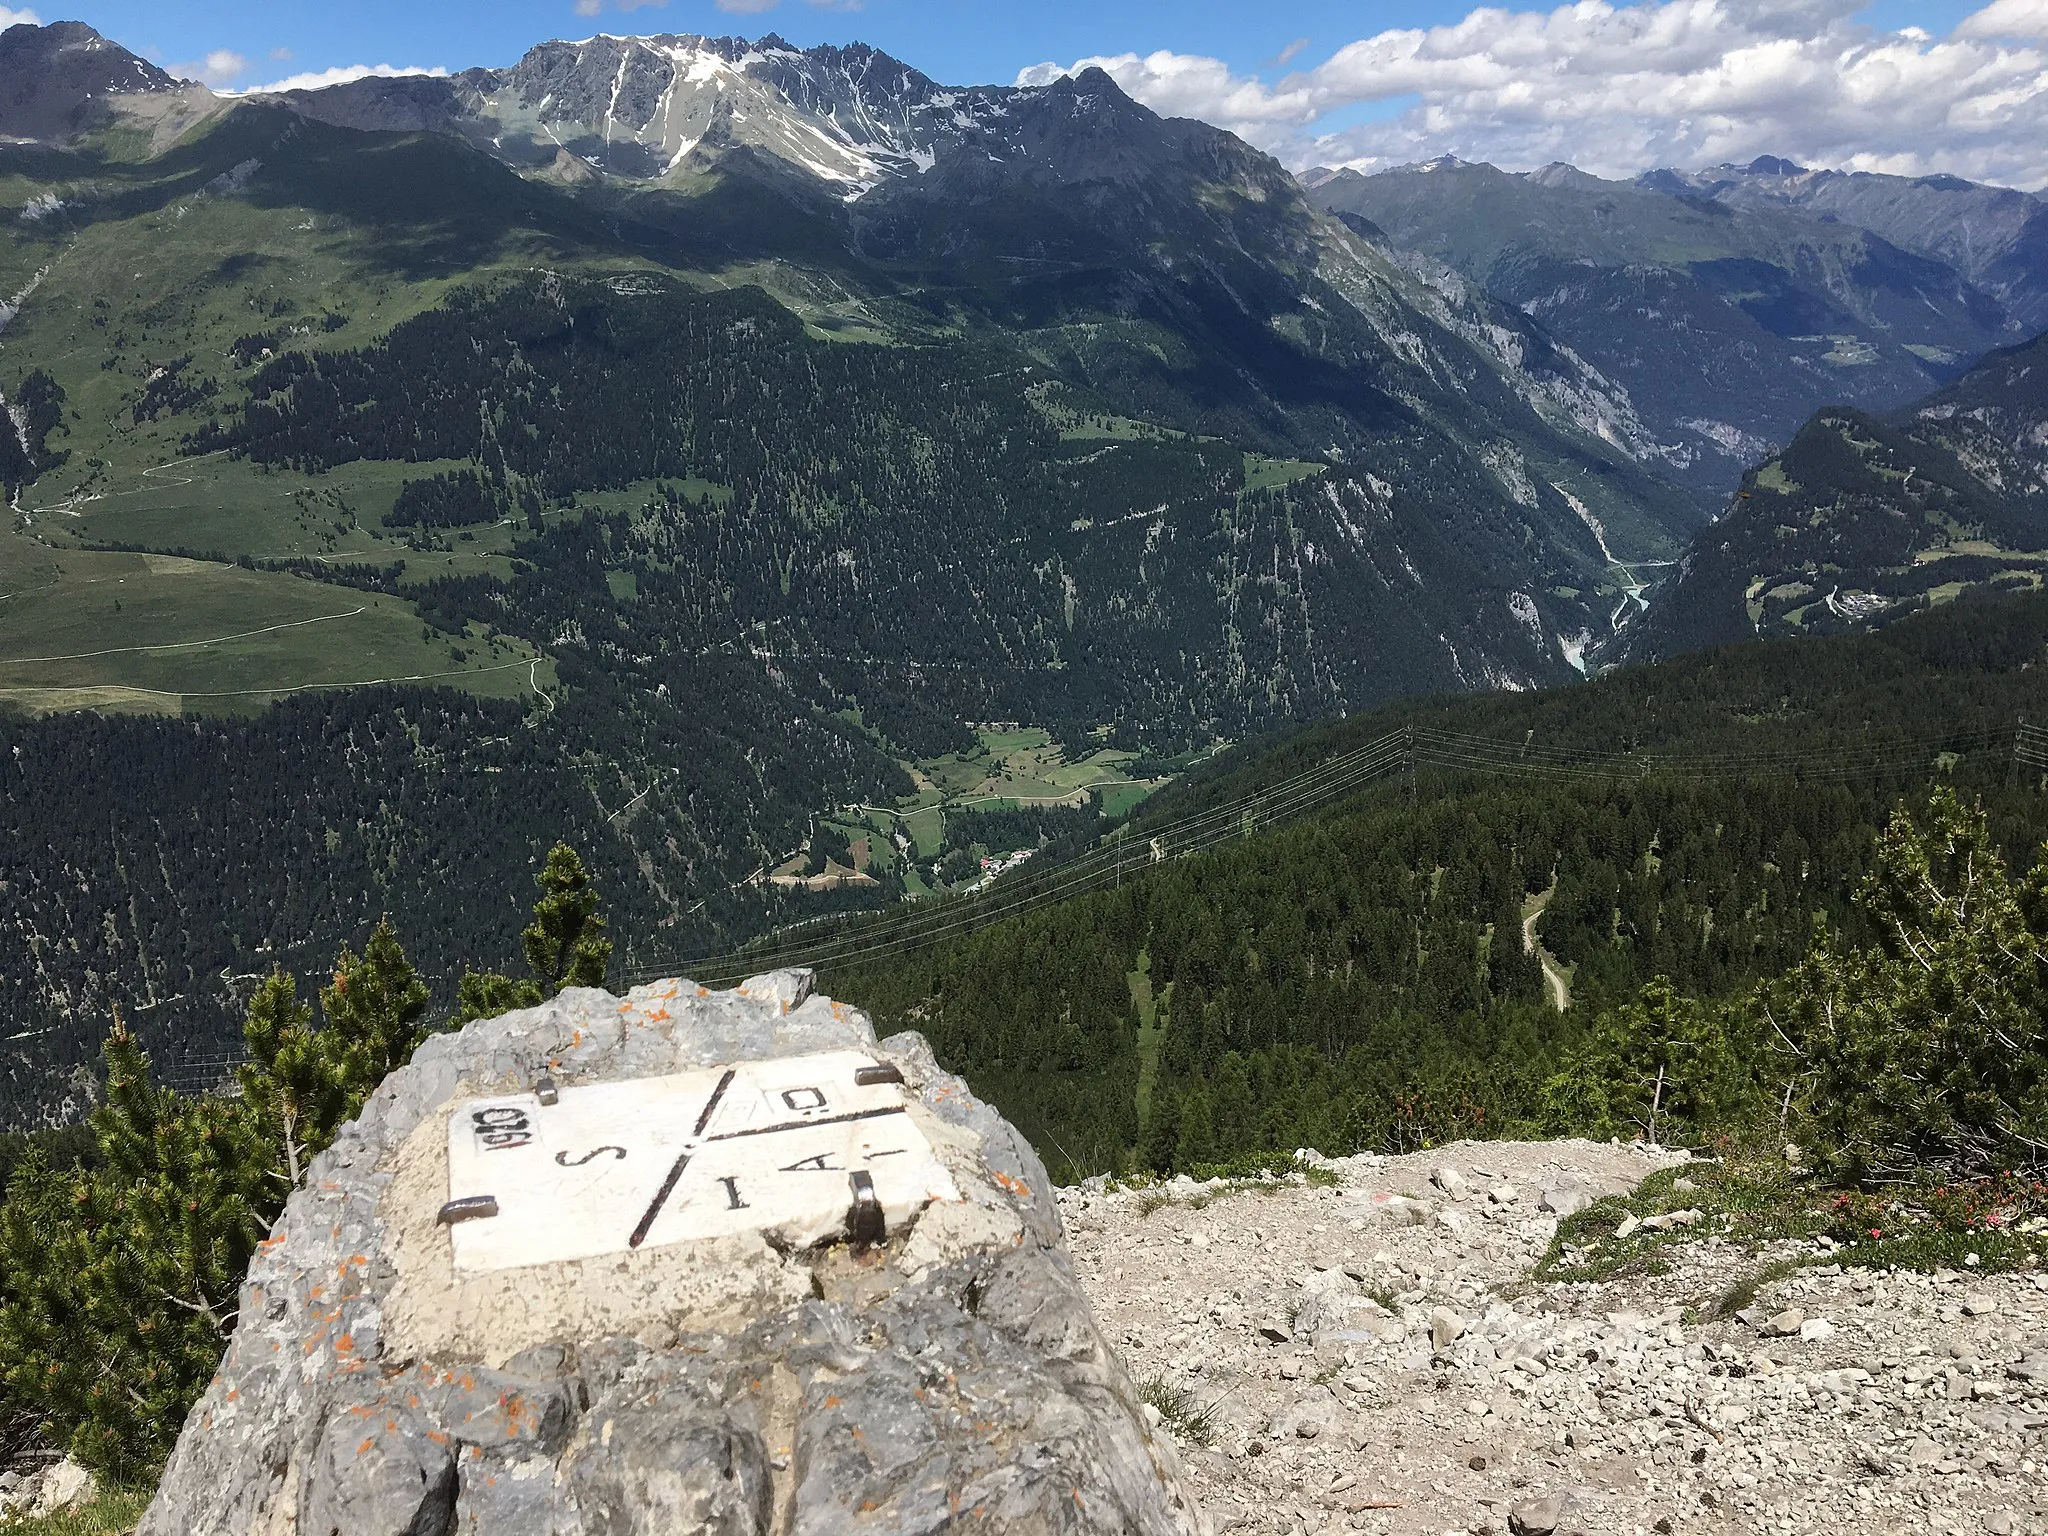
1553	974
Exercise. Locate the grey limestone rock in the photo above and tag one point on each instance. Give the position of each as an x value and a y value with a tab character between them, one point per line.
1564	1195
1537	1517
728	1383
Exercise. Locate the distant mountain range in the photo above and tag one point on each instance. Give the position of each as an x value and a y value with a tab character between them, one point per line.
1478	480
1995	237
1498	404
1730	303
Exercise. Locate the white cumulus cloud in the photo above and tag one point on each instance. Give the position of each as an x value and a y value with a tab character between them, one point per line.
1621	88
2008	18
314	80
13	18
221	67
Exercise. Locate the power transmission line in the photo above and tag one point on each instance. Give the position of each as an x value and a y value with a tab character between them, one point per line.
1132	850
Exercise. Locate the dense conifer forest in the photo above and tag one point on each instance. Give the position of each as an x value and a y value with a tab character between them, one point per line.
924	533
1360	978
163	865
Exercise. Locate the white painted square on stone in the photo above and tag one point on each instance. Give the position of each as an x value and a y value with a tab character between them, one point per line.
767	1146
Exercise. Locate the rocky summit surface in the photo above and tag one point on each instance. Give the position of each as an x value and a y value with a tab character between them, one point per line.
1373	1355
912	1372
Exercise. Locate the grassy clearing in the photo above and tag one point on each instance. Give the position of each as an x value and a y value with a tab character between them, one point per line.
160	632
1755	1203
113	1512
1016	768
1264	474
215	505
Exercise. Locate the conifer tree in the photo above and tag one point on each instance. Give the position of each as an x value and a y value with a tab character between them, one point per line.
1160	1143
1928	1048
372	1012
118	1283
486	994
1197	1129
1667	1068
121	1285
564	945
291	1084
49	1251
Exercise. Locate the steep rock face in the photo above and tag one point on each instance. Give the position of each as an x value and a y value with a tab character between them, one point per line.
55	80
886	1370
648	108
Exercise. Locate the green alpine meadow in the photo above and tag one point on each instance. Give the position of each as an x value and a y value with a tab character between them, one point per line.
1474	587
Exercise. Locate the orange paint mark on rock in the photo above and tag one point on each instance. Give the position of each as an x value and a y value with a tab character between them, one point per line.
1016	1187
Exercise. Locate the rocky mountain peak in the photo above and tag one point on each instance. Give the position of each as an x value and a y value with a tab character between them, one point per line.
55	80
647	109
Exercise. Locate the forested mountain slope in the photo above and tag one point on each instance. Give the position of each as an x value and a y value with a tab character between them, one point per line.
739	496
1361	978
1728	322
1865	517
162	866
1128	274
731	457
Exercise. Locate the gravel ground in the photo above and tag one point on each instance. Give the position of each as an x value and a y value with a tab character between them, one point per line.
1373	1357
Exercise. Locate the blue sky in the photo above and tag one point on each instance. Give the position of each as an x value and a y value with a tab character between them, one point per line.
956	41
1614	86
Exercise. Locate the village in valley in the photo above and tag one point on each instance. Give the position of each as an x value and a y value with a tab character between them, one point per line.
974	816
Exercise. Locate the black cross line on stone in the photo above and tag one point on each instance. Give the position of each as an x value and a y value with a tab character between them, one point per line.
675	1172
866	1211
